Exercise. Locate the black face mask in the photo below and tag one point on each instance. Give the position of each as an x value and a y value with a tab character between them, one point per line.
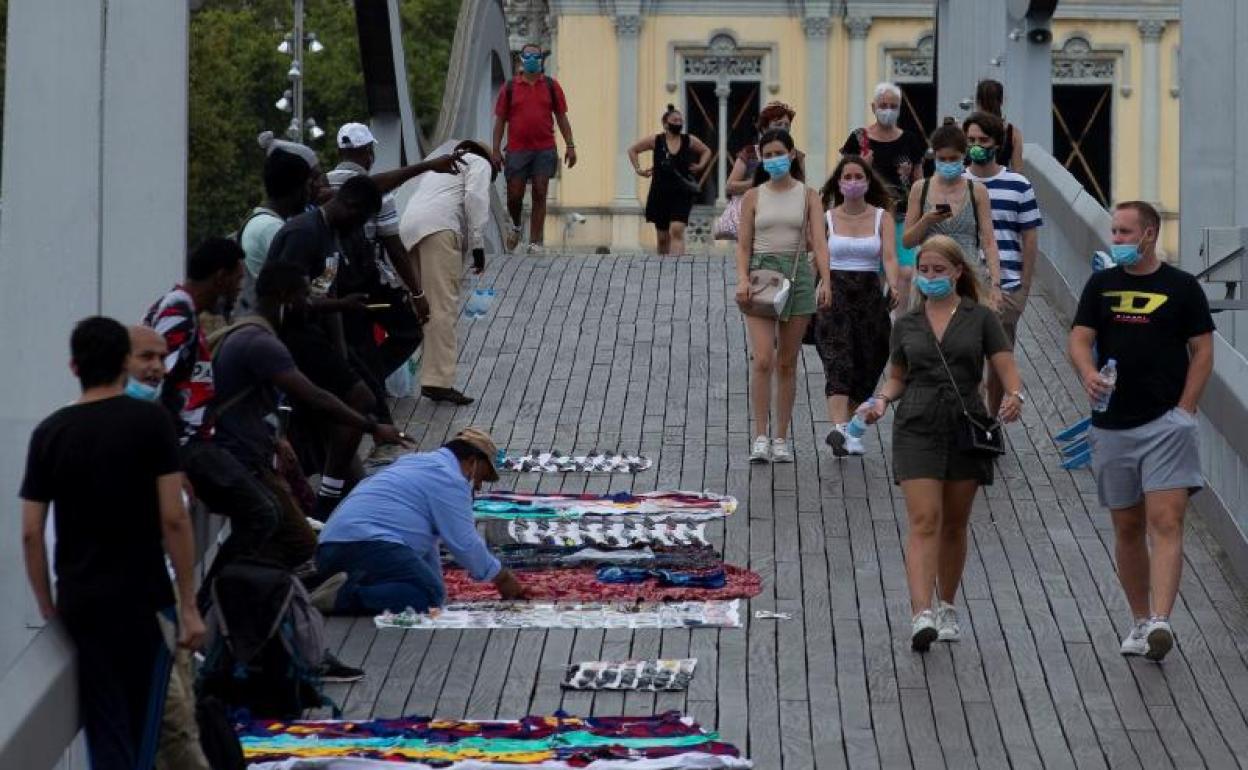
675	128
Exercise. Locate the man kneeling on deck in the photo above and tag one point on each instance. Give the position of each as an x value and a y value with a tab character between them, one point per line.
385	534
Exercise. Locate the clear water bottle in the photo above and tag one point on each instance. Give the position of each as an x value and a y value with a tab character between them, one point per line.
1109	376
322	283
857	427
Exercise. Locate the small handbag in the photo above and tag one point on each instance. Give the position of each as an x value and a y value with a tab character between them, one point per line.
725	228
976	436
770	289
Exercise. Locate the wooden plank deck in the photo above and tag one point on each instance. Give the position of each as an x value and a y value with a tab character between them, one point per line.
647	353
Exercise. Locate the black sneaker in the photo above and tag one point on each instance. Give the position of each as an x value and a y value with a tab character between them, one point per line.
449	395
335	671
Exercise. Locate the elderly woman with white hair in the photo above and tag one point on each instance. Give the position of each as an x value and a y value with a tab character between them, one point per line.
896	155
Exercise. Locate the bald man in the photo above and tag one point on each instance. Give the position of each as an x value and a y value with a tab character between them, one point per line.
146	365
179	733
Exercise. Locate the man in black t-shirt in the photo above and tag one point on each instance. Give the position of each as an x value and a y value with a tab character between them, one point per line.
109	465
1154	321
313	241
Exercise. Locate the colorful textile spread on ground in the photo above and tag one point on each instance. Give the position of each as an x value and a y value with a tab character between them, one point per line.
499	614
618	534
545	742
582	584
688	557
555	461
651	675
688	506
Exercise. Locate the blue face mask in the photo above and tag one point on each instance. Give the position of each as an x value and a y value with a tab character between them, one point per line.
934	288
1125	254
778	166
532	63
141	390
950	169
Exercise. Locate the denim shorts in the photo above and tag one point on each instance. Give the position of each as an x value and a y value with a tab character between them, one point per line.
529	164
1156	456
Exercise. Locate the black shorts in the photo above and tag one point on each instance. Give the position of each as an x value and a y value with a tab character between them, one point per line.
319	360
530	164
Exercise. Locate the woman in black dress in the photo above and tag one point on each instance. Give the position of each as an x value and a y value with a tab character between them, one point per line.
675	178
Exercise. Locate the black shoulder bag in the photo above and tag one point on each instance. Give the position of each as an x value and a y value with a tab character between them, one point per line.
976	436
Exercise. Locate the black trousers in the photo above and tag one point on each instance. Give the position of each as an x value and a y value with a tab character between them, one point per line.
229	489
123	673
374	361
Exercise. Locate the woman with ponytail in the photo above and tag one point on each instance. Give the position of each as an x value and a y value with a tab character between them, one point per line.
675	176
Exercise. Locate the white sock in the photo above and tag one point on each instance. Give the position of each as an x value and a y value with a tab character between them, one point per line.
331	487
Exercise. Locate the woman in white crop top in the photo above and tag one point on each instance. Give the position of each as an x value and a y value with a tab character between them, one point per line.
852	334
778	230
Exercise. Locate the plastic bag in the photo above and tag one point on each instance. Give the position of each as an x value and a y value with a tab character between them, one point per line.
402	381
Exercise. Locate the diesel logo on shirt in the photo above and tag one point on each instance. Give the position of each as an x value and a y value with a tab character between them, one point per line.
1134	306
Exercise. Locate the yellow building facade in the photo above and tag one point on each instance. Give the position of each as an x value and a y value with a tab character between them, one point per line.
1115	83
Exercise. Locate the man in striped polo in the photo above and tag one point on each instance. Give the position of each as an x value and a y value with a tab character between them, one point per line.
1015	219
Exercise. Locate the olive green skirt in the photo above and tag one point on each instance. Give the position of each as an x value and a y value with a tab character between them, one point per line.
802	293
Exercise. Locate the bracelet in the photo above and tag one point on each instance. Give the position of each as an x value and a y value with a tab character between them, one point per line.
569	146
418	295
883	398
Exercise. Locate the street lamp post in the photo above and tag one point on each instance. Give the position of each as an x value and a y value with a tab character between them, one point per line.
295	44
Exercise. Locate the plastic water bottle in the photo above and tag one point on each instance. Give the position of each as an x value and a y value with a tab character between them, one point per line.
1109	376
479	302
857	427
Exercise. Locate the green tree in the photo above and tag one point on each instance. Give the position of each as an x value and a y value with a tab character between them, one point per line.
237	75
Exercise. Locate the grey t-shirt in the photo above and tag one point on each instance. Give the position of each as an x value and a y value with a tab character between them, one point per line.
246	362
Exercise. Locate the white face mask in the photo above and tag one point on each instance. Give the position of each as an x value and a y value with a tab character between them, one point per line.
887	117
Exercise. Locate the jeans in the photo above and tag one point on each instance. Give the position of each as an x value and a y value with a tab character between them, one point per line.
229	489
380	576
123	674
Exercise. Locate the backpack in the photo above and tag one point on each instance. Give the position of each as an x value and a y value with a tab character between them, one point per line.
265	643
970	189
550	86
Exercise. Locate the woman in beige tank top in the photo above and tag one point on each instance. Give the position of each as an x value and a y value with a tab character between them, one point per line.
781	223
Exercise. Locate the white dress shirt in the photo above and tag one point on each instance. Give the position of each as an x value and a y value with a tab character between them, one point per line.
458	202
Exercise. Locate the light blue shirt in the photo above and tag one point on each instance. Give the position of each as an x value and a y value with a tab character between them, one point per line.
418	501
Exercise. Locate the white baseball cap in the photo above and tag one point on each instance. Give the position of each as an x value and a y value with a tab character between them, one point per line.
355	135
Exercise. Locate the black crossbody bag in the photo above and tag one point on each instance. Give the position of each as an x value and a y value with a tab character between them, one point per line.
976	436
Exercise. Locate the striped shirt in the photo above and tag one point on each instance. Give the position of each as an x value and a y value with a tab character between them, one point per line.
1014	210
188	387
386	222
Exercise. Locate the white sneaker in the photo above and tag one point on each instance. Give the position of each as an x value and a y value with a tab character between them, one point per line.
1136	642
780	451
838	440
923	631
947	619
761	451
536	250
854	446
1159	637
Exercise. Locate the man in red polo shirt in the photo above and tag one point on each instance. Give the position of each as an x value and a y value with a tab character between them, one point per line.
527	109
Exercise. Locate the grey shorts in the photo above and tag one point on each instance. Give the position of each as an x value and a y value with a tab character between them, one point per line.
1159	455
527	164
